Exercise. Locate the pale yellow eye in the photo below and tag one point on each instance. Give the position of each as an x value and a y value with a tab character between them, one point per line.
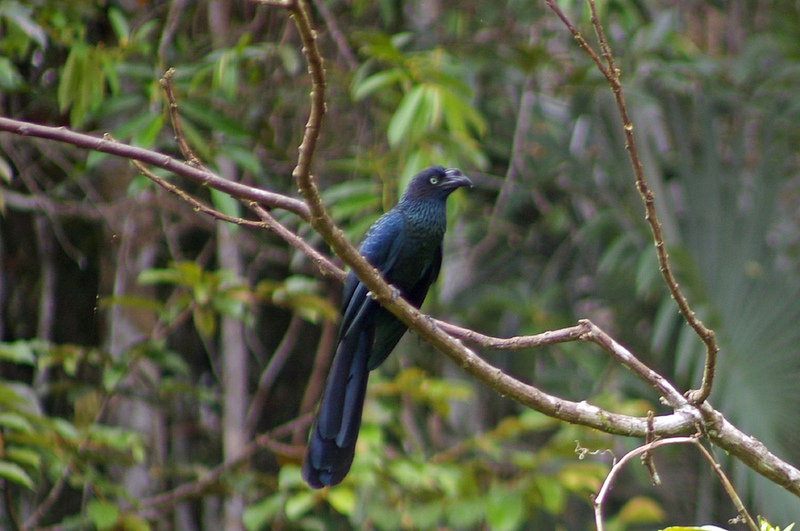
434	180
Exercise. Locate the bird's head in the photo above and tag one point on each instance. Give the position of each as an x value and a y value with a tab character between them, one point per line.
435	182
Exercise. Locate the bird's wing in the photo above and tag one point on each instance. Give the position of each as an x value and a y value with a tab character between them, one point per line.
381	248
389	328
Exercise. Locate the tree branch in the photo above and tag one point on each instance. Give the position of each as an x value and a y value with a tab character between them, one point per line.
598	501
107	145
612	75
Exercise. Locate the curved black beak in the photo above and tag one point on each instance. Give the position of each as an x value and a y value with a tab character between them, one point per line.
456	179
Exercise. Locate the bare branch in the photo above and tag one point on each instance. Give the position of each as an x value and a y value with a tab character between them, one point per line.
726	484
270	373
336	34
326	267
186	150
648	448
160	160
612	75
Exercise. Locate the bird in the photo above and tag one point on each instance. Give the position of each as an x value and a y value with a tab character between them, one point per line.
405	246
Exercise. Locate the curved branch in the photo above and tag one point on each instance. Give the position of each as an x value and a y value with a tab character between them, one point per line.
649	447
612	74
107	145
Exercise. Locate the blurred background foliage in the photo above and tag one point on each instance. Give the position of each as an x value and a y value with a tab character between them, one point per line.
115	298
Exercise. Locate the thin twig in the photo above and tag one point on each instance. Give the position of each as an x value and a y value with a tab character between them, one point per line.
600	499
336	34
194	488
183	144
197	205
726	484
647	457
271	371
326	267
579	39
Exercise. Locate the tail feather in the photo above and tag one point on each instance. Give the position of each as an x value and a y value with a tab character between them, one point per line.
332	443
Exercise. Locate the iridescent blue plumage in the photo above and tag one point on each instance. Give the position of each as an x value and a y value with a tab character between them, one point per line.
405	245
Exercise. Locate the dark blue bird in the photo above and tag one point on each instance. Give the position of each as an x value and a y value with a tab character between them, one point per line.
405	245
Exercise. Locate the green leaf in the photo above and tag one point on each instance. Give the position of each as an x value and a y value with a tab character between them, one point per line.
120	25
24	456
15	473
641	510
299	504
133	126
133	302
466	513
204	115
132	522
505	509
245	158
407	116
9	397
15	421
10	78
460	116
343	499
552	493
259	515
102	514
147	134
112	376
377	82
19	17
6	171
647	273
289	477
426	515
65	429
161	276
19	352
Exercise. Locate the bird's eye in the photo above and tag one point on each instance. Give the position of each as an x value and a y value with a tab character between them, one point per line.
434	180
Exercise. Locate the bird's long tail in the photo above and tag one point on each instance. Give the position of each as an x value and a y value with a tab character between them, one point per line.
333	438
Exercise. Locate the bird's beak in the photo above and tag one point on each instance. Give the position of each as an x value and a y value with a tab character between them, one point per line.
456	179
